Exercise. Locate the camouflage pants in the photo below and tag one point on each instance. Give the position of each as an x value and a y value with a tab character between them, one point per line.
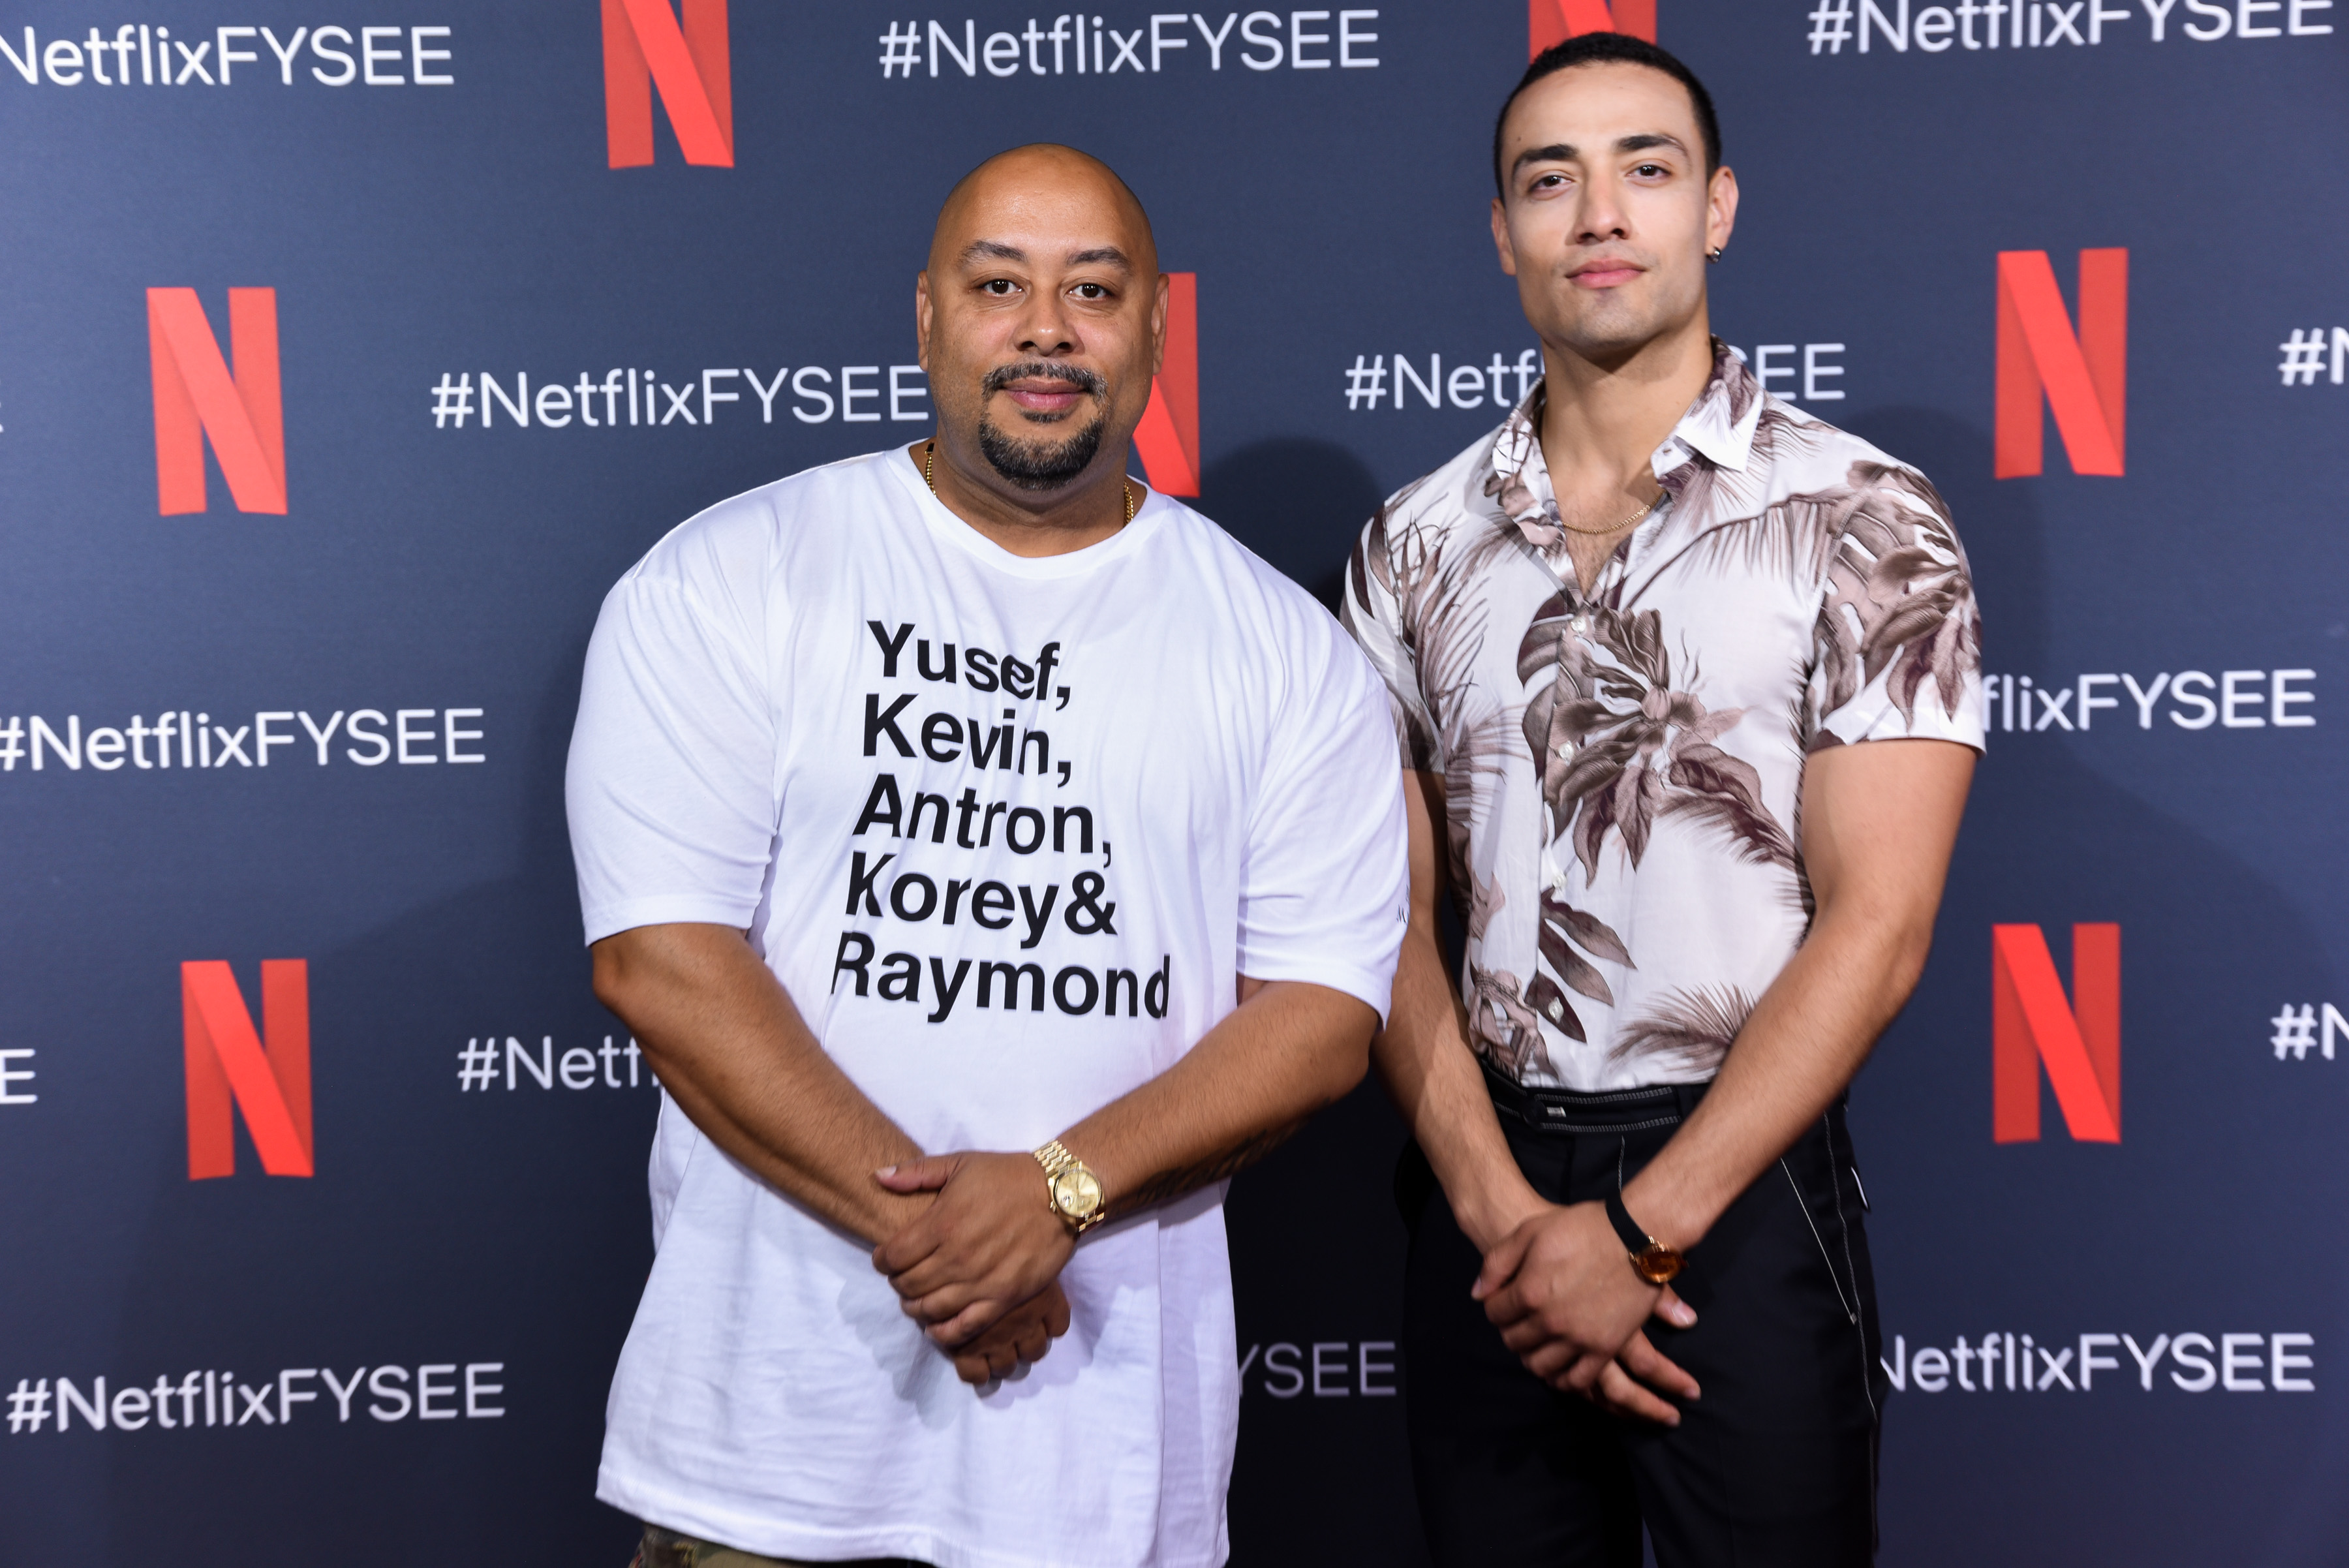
668	1549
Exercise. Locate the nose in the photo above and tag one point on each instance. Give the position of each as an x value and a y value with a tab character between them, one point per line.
1601	217
1044	328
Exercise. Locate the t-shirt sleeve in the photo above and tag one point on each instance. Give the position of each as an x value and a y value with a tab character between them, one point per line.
1324	890
1372	611
1896	651
670	784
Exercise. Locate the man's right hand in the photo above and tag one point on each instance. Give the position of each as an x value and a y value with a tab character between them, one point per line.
987	1241
1630	1384
1022	1335
1558	1290
1424	1057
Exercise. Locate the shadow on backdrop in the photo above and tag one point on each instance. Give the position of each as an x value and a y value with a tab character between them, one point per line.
1299	504
528	1203
2147	1232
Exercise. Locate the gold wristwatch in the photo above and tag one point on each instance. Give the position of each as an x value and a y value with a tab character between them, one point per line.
1651	1259
1076	1193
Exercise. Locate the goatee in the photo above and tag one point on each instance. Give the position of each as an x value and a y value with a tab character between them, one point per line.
1031	465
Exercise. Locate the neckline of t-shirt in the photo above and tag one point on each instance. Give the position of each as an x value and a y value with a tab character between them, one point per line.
952	529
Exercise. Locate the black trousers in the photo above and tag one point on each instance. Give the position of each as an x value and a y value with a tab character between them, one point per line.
1774	1464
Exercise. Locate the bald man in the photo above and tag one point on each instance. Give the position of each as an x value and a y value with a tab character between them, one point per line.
991	857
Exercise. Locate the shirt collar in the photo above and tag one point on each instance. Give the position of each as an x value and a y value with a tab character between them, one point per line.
1719	426
1718	429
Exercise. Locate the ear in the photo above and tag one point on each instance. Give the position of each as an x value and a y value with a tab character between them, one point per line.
1720	208
1158	311
1508	253
923	313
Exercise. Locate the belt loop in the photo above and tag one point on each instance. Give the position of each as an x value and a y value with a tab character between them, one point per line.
1686	1096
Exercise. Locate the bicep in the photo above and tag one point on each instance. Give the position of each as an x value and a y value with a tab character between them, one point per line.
1300	1014
1880	819
1422	806
640	968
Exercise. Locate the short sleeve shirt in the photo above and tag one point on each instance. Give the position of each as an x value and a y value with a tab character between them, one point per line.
1007	830
1622	770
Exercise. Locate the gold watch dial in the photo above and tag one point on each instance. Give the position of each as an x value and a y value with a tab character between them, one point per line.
1076	1193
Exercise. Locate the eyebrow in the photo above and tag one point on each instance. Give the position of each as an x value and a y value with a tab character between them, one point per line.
1560	151
996	250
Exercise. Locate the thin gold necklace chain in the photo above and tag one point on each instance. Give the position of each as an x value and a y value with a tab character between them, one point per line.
930	453
1617	528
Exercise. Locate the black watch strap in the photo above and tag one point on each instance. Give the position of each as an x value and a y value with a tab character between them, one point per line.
1635	1241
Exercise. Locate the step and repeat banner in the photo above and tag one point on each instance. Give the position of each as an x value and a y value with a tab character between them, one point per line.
347	356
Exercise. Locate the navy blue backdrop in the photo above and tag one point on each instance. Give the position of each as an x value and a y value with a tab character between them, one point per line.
402	1357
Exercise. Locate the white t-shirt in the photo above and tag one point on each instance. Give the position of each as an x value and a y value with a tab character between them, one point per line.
1007	830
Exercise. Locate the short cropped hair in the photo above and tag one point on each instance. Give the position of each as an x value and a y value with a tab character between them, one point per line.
1602	48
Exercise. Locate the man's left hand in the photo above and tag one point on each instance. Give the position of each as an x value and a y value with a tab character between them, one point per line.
988	1244
1564	1298
1021	1336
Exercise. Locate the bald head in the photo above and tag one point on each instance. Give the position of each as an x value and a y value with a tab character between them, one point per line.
1042	315
1044	182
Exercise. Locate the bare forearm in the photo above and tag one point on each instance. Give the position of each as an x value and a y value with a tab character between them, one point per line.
1289	1049
1805	1042
1423	1057
1879	821
1430	1071
731	1048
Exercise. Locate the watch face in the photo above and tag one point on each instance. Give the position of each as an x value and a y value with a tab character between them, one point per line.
1076	1194
1658	1265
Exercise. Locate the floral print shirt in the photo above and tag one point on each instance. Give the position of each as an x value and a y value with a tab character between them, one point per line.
1623	771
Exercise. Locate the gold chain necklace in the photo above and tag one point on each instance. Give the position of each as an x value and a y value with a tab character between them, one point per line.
1615	528
930	453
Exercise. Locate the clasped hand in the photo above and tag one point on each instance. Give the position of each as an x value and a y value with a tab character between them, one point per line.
1564	1298
980	1270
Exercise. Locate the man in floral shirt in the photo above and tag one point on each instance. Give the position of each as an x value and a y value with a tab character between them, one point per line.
1688	683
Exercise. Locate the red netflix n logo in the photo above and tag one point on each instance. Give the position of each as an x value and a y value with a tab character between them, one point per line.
230	1069
196	396
1168	436
645	48
1552	22
2080	1040
2084	375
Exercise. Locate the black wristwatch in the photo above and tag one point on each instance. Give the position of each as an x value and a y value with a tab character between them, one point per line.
1651	1259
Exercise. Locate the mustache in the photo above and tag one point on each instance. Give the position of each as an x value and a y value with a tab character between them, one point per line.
1075	375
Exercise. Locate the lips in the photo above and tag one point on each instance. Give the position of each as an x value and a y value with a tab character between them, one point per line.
1607	273
1042	389
1044	397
